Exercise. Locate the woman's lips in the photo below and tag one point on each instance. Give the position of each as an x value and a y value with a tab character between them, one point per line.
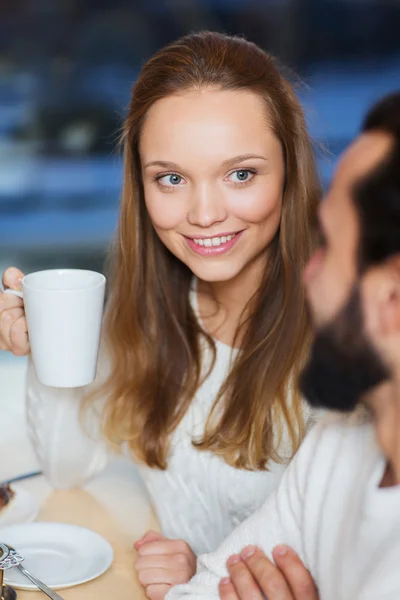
213	246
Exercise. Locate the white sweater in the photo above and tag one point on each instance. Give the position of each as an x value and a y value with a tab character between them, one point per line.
199	498
330	509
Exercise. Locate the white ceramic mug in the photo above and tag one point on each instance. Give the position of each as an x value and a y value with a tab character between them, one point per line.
64	309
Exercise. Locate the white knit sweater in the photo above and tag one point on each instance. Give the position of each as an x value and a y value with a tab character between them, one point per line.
199	498
330	510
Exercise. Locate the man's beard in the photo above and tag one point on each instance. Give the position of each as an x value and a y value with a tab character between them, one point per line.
343	365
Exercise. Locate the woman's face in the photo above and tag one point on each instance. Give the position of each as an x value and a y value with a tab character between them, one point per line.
213	175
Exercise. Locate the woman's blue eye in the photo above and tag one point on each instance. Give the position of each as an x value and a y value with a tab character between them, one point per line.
170	180
241	175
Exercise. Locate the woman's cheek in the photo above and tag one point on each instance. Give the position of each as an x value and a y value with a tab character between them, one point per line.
166	210
257	205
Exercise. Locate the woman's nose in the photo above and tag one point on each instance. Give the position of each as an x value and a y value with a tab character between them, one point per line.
207	208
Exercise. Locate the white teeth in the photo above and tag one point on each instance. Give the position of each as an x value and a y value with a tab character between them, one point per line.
215	241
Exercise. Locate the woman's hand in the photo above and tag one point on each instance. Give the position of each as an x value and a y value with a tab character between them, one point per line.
162	563
13	328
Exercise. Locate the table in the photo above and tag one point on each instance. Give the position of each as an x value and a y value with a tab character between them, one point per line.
114	504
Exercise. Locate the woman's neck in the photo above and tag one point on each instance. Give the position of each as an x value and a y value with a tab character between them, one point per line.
222	304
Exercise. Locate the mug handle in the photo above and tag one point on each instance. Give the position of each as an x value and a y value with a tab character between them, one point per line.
14	293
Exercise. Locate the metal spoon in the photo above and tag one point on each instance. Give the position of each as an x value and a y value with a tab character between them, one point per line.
6	591
42	586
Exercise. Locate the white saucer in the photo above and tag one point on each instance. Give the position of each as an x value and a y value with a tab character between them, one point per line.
60	555
23	508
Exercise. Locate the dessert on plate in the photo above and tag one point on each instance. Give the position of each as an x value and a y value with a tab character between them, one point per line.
7	495
16	505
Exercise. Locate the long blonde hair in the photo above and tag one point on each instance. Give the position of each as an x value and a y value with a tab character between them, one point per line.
153	336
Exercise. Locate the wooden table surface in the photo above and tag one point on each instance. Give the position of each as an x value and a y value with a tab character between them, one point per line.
81	508
114	504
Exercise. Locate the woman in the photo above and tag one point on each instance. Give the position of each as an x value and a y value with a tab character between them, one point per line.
205	325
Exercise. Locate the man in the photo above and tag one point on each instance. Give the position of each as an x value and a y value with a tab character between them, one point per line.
336	514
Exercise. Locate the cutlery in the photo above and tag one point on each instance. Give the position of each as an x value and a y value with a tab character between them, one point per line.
6	592
20	478
42	586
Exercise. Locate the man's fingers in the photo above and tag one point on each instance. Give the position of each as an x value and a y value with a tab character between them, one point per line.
242	579
268	577
298	577
227	590
287	580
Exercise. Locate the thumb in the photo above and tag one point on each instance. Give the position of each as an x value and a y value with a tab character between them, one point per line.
149	536
12	278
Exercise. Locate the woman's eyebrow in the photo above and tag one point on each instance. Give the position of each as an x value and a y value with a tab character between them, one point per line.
241	158
226	163
162	163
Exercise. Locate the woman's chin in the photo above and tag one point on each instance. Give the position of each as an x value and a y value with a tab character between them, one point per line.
214	273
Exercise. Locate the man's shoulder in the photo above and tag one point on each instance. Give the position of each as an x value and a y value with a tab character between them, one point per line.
338	428
333	437
339	439
336	451
343	425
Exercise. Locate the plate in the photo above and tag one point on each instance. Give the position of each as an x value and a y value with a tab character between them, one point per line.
61	555
23	508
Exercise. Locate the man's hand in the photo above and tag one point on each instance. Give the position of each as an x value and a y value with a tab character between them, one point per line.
253	577
162	563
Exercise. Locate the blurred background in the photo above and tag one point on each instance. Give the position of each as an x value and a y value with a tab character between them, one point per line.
66	71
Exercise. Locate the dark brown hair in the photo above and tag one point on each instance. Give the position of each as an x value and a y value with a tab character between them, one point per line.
377	196
153	336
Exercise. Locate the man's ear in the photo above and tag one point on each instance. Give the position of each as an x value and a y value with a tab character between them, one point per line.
389	305
381	299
